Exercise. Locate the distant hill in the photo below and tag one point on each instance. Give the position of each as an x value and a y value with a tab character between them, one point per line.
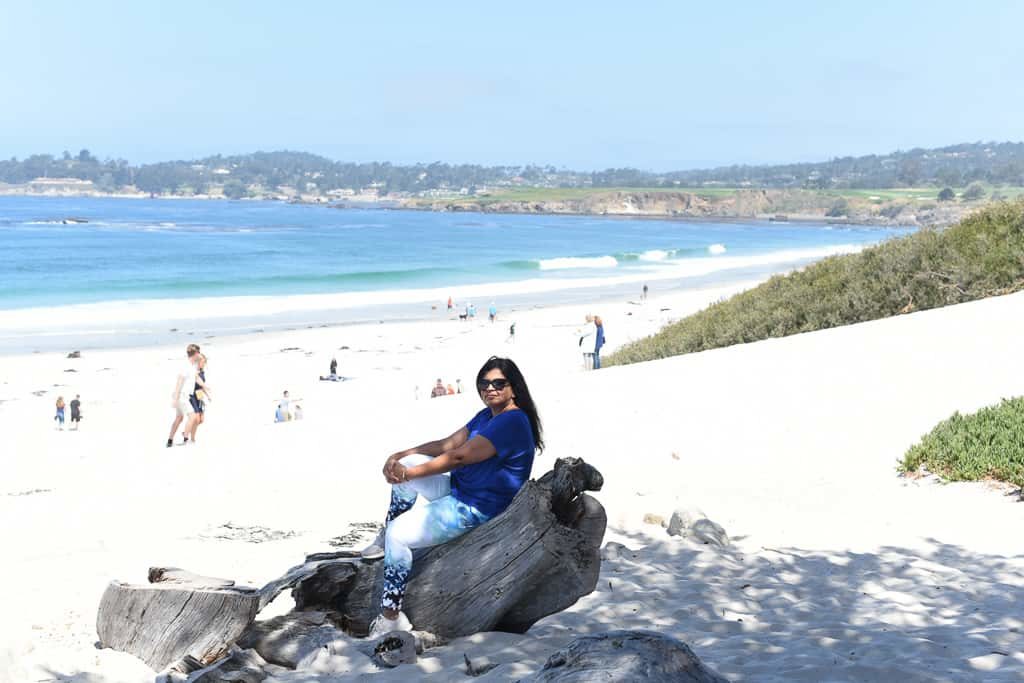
299	173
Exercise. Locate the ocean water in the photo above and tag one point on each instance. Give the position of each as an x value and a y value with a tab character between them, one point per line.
133	249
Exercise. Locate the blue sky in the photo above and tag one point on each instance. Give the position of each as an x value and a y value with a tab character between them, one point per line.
655	85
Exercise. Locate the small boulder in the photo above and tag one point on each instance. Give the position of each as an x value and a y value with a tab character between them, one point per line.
693	524
626	656
75	354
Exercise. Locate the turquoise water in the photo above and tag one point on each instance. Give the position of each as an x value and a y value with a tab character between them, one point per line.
181	249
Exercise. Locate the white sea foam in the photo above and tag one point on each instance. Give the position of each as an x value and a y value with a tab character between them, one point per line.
121	314
577	262
654	255
716	249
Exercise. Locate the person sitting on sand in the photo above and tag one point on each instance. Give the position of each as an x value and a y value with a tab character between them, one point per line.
450	390
489	460
438	389
59	417
76	411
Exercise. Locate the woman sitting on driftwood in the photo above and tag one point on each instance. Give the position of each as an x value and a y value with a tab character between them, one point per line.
489	460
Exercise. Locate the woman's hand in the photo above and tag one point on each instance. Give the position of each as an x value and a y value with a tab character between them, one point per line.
390	465
399	474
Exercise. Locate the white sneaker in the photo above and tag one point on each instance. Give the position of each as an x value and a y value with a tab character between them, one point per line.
382	625
375	550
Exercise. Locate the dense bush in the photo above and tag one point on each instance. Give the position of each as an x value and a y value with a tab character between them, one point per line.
986	445
981	256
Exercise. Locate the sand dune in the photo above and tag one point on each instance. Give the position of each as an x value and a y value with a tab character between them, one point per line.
838	571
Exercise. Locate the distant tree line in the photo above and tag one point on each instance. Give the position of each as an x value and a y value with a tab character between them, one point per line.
240	175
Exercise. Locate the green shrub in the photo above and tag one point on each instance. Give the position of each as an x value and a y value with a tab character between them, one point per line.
986	445
981	256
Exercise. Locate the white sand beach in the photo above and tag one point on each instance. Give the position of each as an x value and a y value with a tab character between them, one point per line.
838	570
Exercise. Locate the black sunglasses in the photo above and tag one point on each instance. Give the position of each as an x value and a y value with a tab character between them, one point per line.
498	384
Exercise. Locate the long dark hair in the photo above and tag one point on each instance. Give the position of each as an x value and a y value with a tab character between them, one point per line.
520	391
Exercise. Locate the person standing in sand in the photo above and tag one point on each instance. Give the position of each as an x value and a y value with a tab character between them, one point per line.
197	399
598	341
179	399
467	478
643	296
76	411
59	417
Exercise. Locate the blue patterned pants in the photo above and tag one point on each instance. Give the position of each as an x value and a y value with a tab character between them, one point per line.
439	521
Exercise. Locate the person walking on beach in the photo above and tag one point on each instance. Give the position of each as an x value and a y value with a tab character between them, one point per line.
511	334
186	379
458	386
492	312
438	389
451	304
467	478
643	297
334	367
76	411
59	417
598	341
197	399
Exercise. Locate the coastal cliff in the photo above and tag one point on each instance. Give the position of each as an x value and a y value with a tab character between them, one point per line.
789	205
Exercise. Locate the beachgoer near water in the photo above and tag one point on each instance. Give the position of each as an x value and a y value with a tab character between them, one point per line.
471	311
511	334
59	417
644	296
334	366
197	399
598	341
438	389
179	399
76	411
458	386
450	390
489	460
492	312
451	304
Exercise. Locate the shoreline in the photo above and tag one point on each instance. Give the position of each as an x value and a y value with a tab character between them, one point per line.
145	322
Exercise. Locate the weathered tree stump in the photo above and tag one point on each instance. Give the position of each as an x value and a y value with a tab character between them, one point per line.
536	558
626	656
164	623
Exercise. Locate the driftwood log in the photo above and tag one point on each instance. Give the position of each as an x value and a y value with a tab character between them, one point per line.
626	656
537	558
165	623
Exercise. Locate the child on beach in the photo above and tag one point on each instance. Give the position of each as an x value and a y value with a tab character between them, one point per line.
59	417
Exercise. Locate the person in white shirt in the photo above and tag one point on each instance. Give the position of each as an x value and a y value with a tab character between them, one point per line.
187	380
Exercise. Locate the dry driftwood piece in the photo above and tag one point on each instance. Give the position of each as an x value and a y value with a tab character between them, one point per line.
181	576
536	558
626	656
164	623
